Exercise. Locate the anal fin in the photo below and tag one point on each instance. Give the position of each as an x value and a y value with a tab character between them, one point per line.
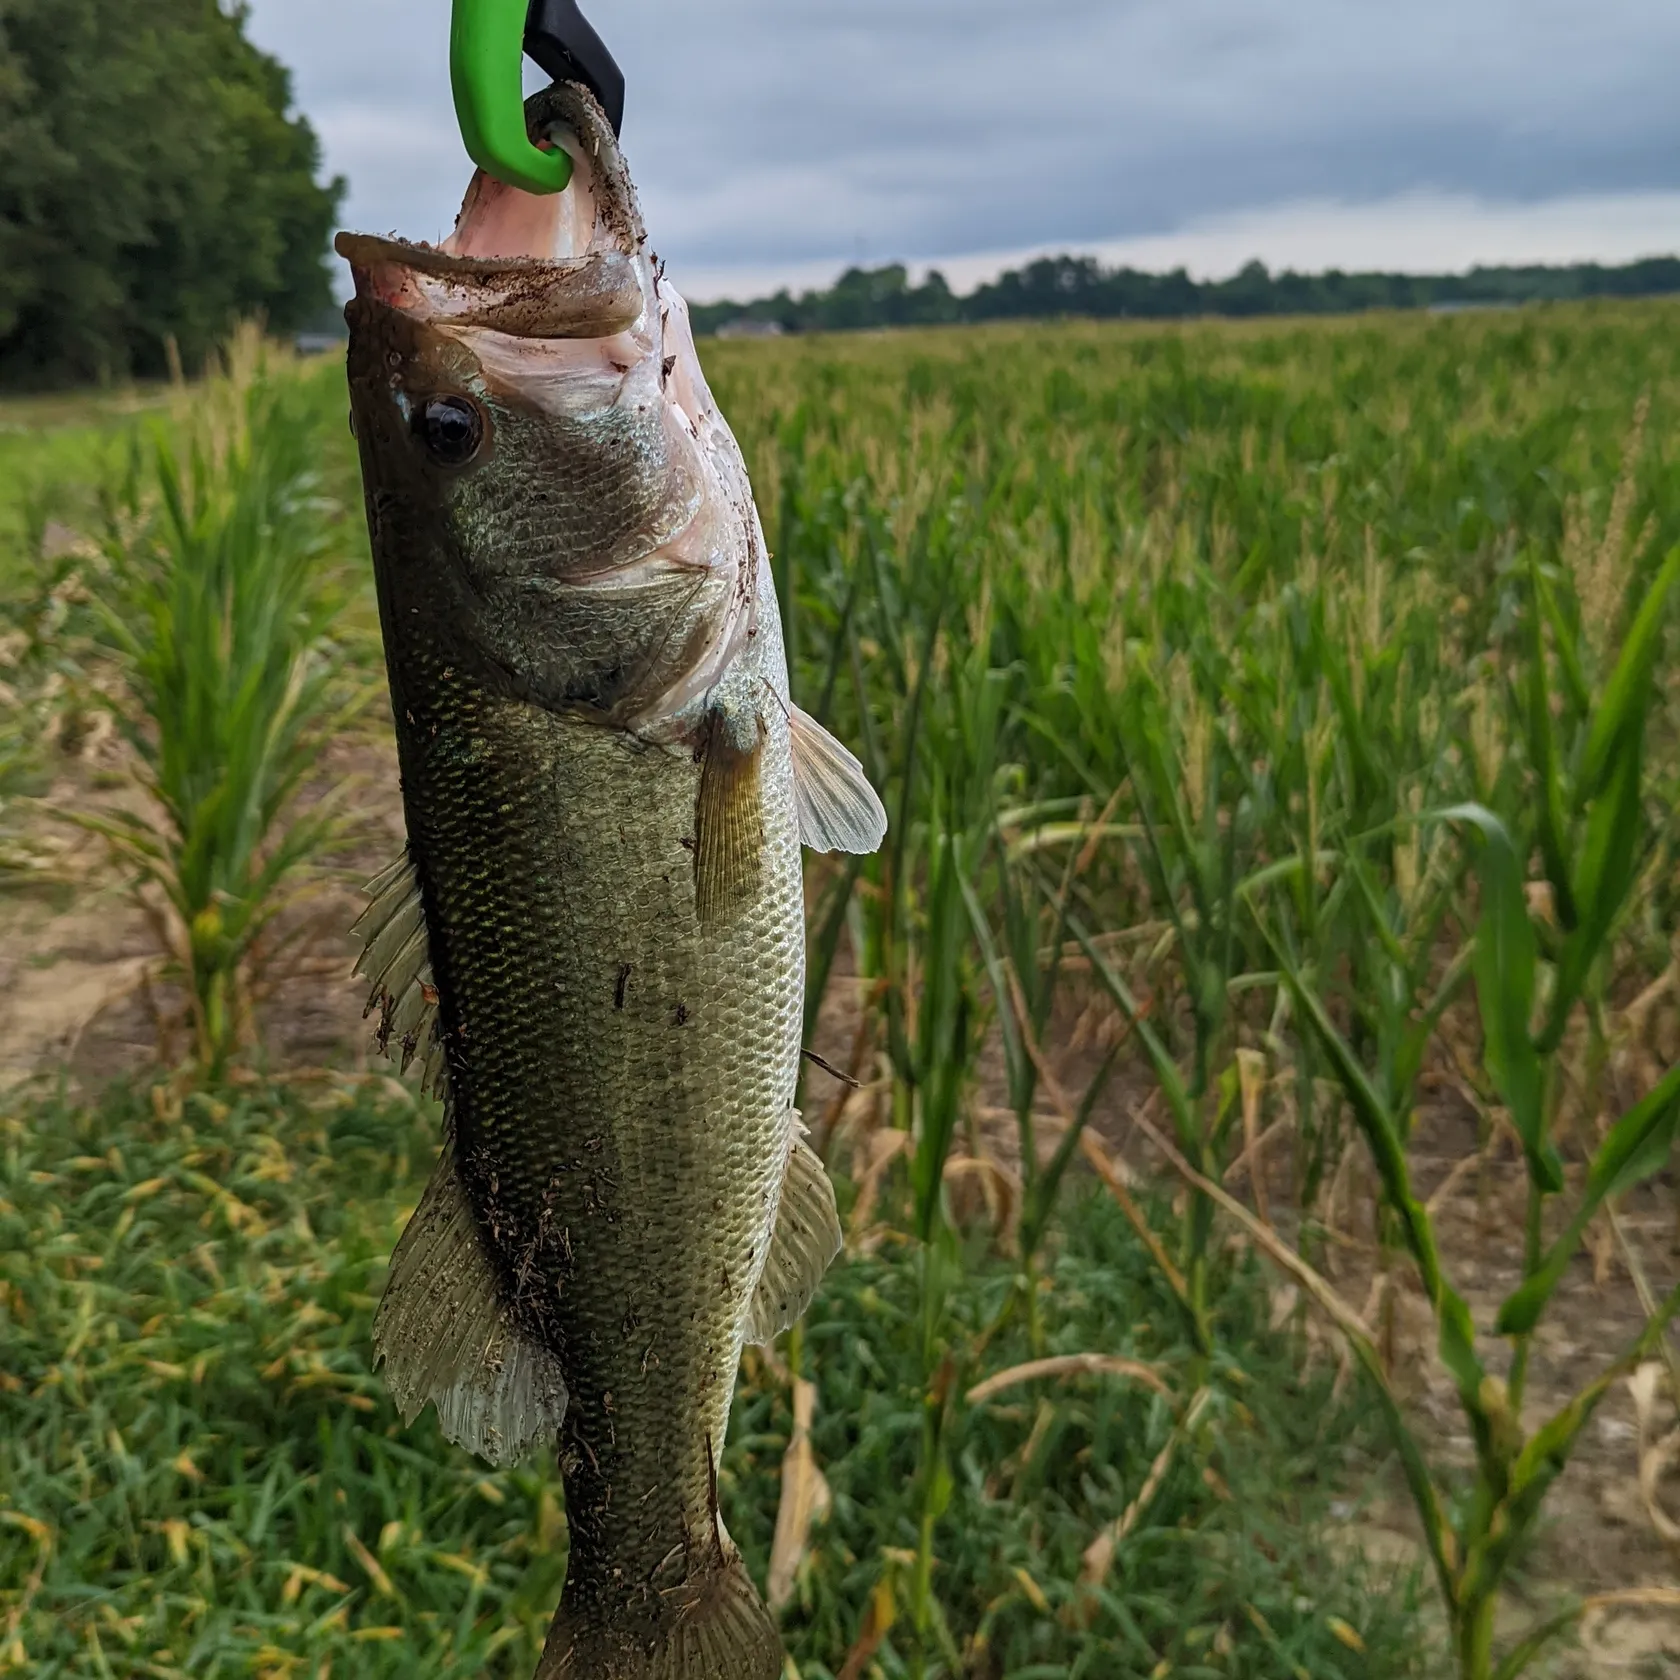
447	1335
838	810
806	1240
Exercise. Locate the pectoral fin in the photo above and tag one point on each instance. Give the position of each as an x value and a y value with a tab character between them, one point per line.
729	816
447	1335
807	1238
838	810
397	958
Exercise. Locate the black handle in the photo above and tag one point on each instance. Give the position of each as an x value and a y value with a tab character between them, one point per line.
559	37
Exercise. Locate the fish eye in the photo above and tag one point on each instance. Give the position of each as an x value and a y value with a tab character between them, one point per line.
452	429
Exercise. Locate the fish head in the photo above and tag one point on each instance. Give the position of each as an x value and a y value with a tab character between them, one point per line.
554	499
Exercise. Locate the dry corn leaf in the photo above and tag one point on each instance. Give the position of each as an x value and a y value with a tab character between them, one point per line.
1251	1077
369	1564
176	1532
877	1620
1069	1365
1657	1453
1281	1301
1034	1592
885	1147
805	1499
1001	1187
1347	1634
1114	1173
1615	1638
302	1576
1099	1555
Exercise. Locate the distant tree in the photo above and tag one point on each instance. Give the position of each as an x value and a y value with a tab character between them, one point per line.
154	185
1050	287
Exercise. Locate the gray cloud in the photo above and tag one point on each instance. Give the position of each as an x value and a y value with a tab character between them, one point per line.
771	135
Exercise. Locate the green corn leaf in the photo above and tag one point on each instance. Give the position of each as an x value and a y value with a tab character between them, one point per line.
1651	1156
1457	1330
1621	710
1505	962
1426	1498
1018	1064
1157	853
1565	641
1367	773
1041	1202
1068	750
1378	912
1290	869
943	1048
824	944
1520	1658
1414	1044
1542	750
1545	1457
1609	869
1637	1144
1626	1153
1610	784
1165	1068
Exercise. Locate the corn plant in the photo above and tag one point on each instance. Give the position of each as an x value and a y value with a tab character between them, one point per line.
941	779
1591	828
219	606
1024	988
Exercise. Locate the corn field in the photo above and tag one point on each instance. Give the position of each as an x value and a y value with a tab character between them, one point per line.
1253	1056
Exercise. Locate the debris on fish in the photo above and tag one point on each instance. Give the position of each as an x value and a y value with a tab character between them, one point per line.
594	941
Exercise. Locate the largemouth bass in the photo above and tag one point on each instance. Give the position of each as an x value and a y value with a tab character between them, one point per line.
594	943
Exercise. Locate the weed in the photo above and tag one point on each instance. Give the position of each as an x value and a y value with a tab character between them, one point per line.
219	603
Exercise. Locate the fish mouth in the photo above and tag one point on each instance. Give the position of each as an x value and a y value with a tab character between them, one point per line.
568	265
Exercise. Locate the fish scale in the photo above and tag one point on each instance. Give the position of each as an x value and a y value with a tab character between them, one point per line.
564	1100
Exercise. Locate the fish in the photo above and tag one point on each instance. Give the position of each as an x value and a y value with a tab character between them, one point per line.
592	943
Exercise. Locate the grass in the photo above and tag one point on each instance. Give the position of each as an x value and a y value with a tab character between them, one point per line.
201	1475
55	452
1276	721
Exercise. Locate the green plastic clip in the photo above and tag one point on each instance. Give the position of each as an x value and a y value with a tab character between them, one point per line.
486	66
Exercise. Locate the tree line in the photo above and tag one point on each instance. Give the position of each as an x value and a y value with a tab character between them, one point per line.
1070	285
155	186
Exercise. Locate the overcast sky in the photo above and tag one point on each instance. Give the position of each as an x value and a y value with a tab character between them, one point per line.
779	140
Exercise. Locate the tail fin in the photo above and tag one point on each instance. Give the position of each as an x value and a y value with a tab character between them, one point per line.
716	1628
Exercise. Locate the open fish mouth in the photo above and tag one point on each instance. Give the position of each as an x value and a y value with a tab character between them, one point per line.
564	265
534	384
